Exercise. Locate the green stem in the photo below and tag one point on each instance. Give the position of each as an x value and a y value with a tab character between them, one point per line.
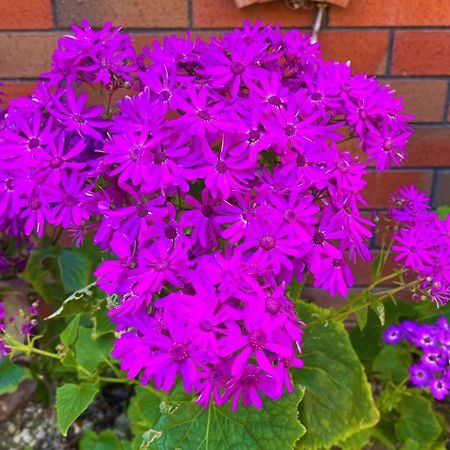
18	346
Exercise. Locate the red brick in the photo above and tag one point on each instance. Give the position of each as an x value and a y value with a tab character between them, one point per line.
367	50
425	99
224	14
421	53
15	89
429	147
131	13
442	194
381	185
26	54
26	14
392	13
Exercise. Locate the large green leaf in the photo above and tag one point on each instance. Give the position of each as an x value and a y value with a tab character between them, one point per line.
392	363
91	351
54	273
75	270
105	440
418	425
11	375
71	401
182	424
338	400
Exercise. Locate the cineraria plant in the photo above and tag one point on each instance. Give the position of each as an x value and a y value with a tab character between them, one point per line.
216	178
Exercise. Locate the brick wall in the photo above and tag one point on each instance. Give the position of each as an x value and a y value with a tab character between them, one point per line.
405	42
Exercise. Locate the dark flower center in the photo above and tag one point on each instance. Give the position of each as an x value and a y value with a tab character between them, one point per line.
207	211
267	242
290	216
9	184
33	143
159	156
343	165
318	238
206	325
34	202
316	96
388	145
165	95
70	200
249	379
141	210
237	68
253	136
290	130
221	167
56	162
170	232
362	114
134	152
337	263
301	161
178	352
79	119
160	265
272	305
258	339
204	115
412	249
274	100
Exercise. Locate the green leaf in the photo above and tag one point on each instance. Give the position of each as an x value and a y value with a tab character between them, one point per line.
55	273
11	375
91	351
70	333
357	441
443	212
80	302
102	323
358	303
418	423
75	270
338	400
71	401
182	424
105	440
377	306
43	273
392	363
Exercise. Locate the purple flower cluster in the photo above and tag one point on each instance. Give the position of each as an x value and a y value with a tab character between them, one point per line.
49	143
422	244
220	181
432	366
24	323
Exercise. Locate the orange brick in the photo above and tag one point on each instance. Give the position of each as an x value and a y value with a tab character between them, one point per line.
367	50
130	13
224	14
392	13
381	185
425	99
26	14
421	53
15	89
429	147
26	54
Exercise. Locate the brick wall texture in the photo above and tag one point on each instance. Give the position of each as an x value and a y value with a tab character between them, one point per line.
406	43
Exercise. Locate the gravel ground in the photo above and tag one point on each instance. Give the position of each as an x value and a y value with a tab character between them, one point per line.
34	426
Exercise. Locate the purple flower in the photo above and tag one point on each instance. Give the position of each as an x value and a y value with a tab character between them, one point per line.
72	114
249	386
